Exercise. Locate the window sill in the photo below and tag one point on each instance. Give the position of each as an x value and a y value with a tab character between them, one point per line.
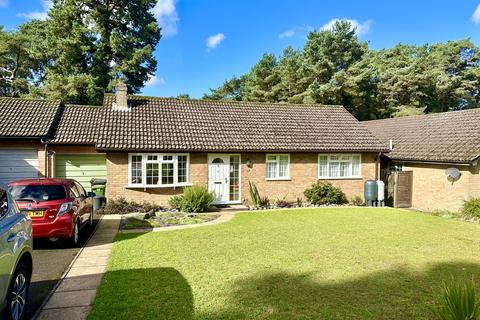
158	187
278	179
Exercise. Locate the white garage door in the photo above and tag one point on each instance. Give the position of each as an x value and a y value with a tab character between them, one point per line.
18	164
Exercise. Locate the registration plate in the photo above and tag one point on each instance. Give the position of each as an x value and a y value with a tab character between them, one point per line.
35	214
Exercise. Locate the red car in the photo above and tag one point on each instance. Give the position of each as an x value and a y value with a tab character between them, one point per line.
59	208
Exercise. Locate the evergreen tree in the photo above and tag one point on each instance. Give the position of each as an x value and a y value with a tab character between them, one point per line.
84	46
230	90
261	80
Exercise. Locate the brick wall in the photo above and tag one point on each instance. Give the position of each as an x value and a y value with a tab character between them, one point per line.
432	191
117	179
303	173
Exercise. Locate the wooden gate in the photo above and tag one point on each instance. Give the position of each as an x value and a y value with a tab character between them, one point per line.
399	189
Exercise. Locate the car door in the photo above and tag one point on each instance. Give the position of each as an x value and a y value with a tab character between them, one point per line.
8	219
85	203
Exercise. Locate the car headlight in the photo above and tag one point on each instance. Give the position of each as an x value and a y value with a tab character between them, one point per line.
64	208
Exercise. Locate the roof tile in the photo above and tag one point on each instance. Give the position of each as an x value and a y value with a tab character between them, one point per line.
445	137
201	125
27	118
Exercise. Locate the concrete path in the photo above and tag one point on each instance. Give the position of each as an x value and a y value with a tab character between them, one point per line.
74	295
224	217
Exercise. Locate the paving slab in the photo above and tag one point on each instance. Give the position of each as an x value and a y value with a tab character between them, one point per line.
73	313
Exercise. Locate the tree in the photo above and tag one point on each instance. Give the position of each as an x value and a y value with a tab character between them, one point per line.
327	52
230	90
183	96
289	88
336	68
454	68
261	80
21	59
89	44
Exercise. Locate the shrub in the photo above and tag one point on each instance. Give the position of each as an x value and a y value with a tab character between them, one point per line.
176	202
472	207
264	202
459	302
282	203
299	201
122	206
325	193
257	200
194	199
357	201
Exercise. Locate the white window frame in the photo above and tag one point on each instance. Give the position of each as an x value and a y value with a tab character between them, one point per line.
277	161
329	155
159	161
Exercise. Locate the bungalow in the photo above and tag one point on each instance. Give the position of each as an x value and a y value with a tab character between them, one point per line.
431	147
149	148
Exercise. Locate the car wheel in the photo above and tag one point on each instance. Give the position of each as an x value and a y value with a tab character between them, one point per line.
76	233
18	293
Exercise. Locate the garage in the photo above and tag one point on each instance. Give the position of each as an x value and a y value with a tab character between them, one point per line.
18	164
81	167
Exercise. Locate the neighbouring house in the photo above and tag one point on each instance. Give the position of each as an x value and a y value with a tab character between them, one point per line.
429	147
150	148
43	138
24	124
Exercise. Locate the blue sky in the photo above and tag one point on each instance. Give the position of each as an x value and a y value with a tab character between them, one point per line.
206	42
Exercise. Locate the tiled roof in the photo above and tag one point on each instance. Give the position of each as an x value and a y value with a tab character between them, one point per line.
78	125
27	118
443	137
200	125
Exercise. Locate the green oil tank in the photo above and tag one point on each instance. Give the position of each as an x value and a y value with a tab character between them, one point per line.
370	192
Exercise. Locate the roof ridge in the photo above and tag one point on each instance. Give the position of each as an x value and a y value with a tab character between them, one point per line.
234	101
427	115
31	99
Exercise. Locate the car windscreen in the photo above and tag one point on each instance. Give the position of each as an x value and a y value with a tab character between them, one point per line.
38	192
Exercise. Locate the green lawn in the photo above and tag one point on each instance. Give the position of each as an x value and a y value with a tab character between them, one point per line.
326	263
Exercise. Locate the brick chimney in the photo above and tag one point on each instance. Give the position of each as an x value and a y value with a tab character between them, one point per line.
121	101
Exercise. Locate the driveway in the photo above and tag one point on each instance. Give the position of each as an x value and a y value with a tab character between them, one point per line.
50	260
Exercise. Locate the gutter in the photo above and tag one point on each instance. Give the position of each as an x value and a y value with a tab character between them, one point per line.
458	163
45	143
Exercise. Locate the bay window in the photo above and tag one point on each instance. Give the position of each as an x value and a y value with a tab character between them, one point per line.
277	166
339	166
157	170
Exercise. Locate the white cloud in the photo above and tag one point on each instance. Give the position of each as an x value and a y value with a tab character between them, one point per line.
296	31
165	12
37	14
476	15
155	81
286	34
3	3
214	41
361	28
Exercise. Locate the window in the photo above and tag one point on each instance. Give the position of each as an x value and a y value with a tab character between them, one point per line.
339	166
38	193
234	192
278	166
158	170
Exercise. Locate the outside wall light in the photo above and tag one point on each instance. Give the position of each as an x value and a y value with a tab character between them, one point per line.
249	163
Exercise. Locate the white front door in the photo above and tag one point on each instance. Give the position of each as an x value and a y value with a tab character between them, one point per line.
218	177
